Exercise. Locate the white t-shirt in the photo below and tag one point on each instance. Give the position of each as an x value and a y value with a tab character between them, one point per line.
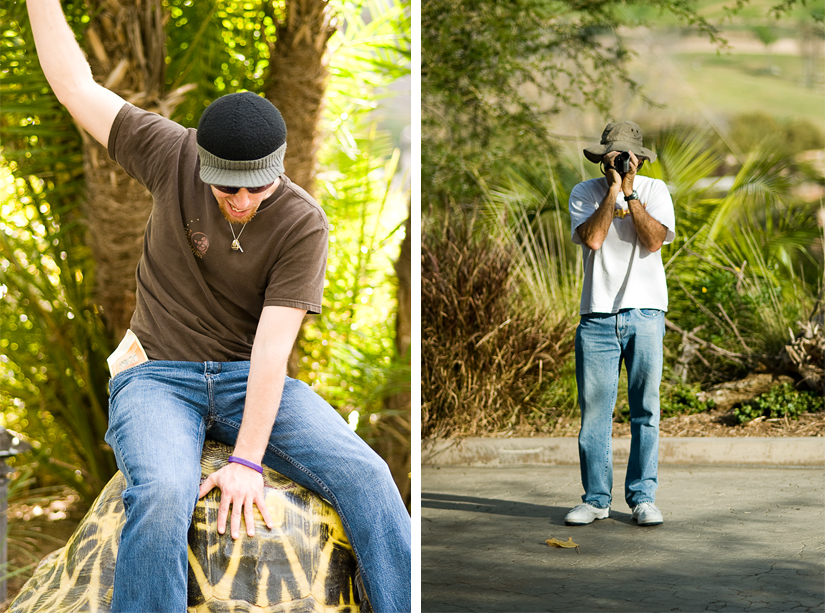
622	274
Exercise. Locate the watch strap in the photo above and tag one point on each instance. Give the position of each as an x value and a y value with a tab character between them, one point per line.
634	195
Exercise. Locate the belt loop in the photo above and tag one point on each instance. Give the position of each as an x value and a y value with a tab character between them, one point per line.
211	368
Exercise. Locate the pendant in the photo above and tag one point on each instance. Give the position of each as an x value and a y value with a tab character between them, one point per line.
236	245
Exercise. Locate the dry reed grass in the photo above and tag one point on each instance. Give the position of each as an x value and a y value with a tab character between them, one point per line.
487	365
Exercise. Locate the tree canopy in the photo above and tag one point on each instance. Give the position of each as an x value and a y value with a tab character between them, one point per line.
493	72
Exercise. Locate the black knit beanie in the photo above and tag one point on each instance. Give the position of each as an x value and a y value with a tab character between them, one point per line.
241	141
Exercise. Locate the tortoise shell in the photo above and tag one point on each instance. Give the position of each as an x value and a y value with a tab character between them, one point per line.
305	563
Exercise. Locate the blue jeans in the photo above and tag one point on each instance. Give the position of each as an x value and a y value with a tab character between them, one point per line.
603	341
159	415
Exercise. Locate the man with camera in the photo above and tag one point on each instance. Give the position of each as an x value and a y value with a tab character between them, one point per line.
621	221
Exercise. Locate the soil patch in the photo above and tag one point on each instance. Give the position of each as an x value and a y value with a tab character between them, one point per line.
710	423
719	421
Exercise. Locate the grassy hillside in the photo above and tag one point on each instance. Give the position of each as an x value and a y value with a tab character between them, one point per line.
731	84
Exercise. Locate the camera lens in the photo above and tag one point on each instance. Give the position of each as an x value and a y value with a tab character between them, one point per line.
622	162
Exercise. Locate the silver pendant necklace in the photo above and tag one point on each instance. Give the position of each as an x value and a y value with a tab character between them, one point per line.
236	243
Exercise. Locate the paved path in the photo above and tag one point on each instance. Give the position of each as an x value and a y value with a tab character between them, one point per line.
734	539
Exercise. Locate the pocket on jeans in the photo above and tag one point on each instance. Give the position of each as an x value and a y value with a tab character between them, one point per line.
116	382
650	312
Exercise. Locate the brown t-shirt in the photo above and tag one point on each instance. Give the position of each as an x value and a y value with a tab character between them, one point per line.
197	299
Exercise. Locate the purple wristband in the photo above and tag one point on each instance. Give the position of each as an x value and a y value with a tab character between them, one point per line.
246	463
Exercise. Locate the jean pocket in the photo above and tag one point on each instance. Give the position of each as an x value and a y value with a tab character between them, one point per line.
651	313
116	382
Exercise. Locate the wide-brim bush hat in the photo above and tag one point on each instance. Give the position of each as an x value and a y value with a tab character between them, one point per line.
620	136
241	141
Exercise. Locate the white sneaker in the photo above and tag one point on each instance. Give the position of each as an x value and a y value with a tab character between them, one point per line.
585	514
646	514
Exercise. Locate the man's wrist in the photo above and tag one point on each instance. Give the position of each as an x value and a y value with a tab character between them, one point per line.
236	460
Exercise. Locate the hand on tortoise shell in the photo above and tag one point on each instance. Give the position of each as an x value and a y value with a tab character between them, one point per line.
242	488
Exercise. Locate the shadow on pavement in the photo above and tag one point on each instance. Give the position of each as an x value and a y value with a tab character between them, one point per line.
494	506
733	540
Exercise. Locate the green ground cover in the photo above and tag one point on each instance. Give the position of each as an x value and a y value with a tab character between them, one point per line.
715	11
737	83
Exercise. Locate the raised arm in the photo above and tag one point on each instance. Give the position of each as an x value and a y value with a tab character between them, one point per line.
93	106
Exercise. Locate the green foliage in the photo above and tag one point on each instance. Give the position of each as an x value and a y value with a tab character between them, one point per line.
219	45
682	399
744	265
349	351
780	401
349	354
678	399
493	73
53	346
749	130
766	34
529	213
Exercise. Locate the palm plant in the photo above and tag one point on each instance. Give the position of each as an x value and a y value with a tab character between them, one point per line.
529	213
742	270
53	343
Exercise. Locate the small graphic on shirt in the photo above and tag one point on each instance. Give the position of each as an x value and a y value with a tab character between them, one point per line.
198	241
621	212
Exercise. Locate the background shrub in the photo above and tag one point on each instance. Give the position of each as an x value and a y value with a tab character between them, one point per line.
780	401
486	364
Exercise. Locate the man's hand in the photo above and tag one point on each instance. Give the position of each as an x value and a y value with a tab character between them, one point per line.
614	177
242	488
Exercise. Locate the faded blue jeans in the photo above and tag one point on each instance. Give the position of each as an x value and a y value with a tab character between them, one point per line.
159	415
603	341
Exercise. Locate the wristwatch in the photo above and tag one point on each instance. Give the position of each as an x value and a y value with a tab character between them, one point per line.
633	196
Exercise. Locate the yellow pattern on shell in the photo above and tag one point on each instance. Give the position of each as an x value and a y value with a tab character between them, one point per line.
305	564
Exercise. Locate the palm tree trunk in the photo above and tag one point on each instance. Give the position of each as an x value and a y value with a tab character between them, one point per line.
298	80
125	44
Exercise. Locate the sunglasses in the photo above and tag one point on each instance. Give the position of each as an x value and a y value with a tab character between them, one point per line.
235	190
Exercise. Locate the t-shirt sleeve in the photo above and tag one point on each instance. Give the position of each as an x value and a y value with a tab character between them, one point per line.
581	206
145	145
297	278
660	208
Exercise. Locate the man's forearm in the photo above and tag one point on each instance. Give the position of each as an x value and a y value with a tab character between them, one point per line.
61	58
593	231
263	397
67	71
276	334
650	231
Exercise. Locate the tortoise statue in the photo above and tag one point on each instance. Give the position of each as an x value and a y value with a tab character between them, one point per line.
305	563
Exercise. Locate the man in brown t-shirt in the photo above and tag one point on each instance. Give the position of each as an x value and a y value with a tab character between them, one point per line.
234	256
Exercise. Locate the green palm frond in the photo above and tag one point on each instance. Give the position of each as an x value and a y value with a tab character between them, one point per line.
53	345
686	156
760	186
218	45
529	213
367	55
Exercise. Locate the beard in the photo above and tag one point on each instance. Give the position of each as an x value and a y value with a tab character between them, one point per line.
238	220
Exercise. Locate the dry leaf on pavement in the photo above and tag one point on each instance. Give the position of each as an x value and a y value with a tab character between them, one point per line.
568	544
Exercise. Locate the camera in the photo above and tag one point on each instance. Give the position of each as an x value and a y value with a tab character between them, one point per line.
621	163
